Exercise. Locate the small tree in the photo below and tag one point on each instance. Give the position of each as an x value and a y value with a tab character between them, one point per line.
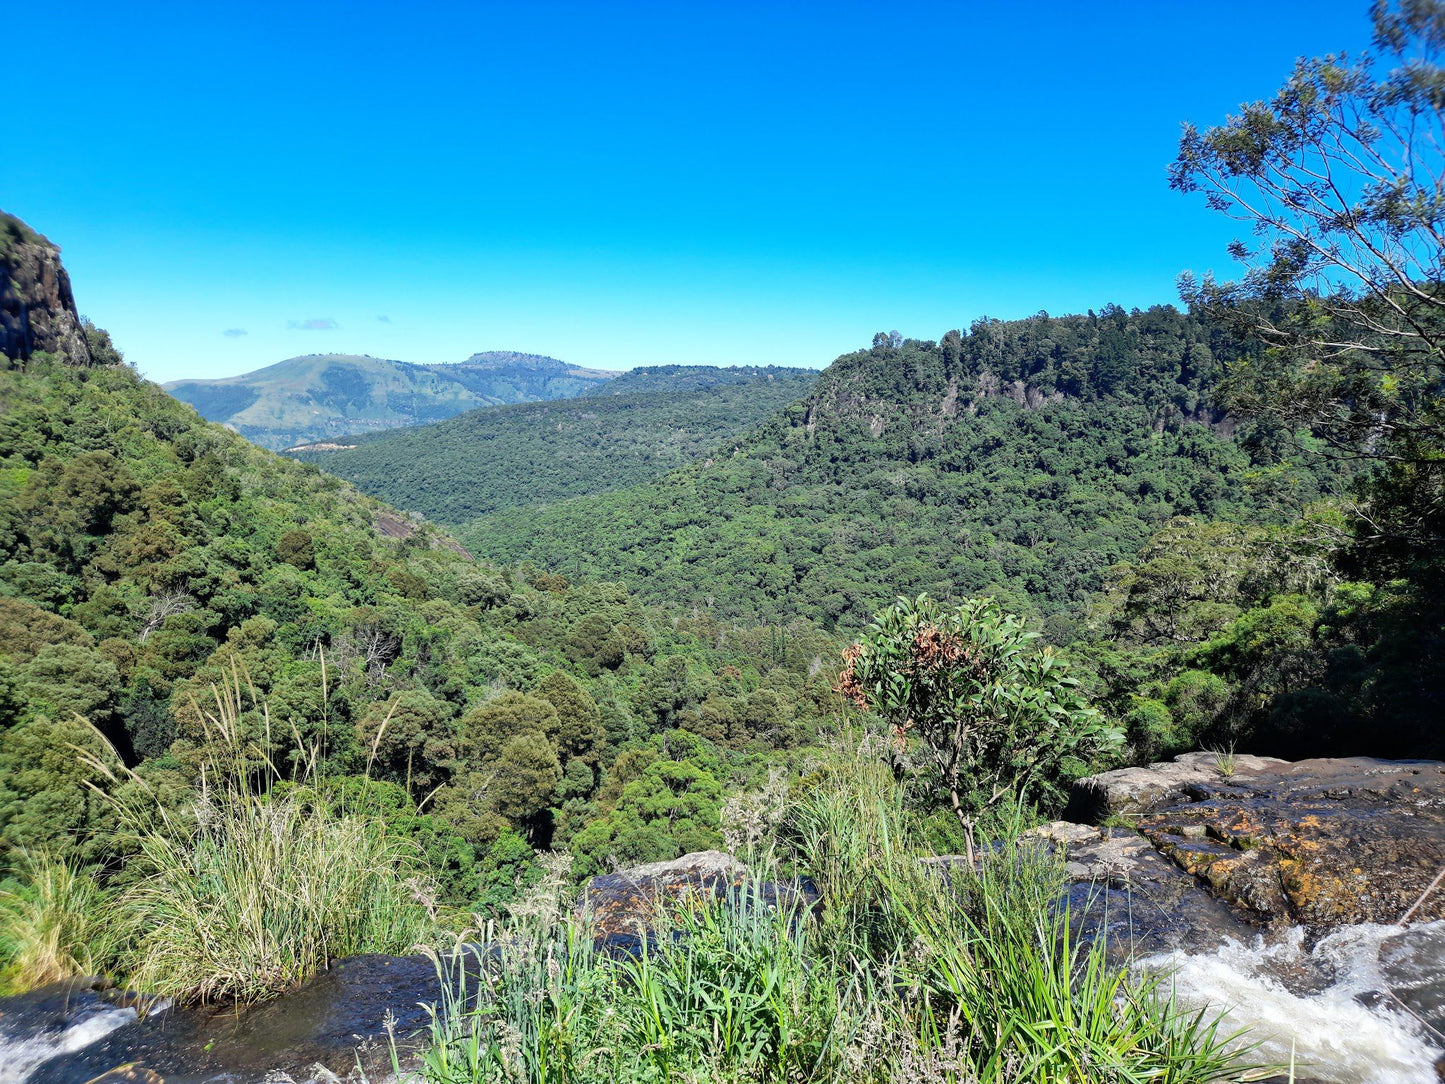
998	717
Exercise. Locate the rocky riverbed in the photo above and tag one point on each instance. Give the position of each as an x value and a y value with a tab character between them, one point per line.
1299	897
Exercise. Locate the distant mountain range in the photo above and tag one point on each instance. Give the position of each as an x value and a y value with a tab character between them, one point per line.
320	397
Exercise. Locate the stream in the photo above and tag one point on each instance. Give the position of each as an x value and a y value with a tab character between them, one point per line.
1364	1004
329	1030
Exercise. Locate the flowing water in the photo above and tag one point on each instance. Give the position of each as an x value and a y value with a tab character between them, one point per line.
1363	1005
49	1023
332	1029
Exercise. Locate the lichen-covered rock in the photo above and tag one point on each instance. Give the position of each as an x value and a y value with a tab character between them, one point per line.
37	309
1322	843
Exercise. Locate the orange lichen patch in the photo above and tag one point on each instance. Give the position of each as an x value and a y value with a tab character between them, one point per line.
1319	897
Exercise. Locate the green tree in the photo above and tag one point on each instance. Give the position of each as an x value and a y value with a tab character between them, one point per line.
579	729
1338	177
408	740
66	679
296	548
997	717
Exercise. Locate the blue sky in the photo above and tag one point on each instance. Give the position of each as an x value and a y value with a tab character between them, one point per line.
619	184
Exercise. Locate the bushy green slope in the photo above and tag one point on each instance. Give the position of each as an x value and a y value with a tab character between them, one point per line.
322	396
1022	460
147	555
532	453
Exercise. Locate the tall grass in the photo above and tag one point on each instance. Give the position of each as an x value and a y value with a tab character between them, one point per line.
243	892
903	975
259	895
1000	960
250	893
55	925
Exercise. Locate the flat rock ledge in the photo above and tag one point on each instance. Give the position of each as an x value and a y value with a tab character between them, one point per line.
1321	843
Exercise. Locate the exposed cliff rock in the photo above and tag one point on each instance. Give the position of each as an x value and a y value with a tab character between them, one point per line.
37	309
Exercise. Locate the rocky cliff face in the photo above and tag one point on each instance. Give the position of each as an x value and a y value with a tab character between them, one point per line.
37	309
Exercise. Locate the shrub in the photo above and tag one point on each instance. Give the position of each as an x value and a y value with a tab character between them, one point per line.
1196	699
1151	730
998	719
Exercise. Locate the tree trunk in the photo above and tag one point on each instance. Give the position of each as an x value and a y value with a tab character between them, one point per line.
966	821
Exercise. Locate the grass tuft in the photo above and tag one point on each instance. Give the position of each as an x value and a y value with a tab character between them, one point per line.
260	894
54	926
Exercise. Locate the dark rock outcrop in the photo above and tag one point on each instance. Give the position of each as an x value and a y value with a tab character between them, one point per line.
1122	889
1321	843
624	905
37	308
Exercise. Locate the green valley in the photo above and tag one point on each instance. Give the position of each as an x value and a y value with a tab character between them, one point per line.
628	431
1020	460
1057	701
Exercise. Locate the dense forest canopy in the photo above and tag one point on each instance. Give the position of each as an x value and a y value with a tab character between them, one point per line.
150	557
1021	460
629	430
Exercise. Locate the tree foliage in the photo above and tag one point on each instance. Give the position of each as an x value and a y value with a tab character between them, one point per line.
998	718
1020	460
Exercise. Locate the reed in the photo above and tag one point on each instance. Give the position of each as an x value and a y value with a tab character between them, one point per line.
54	925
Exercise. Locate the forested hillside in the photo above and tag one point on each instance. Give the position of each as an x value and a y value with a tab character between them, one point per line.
634	428
1021	460
680	378
324	396
149	559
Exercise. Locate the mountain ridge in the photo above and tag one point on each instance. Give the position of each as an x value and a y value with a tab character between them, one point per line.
312	397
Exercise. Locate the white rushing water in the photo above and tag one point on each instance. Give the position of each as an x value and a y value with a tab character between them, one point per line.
21	1053
1330	1007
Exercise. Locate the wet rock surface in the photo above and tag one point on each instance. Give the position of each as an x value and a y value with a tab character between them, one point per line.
1321	843
336	1027
1125	891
